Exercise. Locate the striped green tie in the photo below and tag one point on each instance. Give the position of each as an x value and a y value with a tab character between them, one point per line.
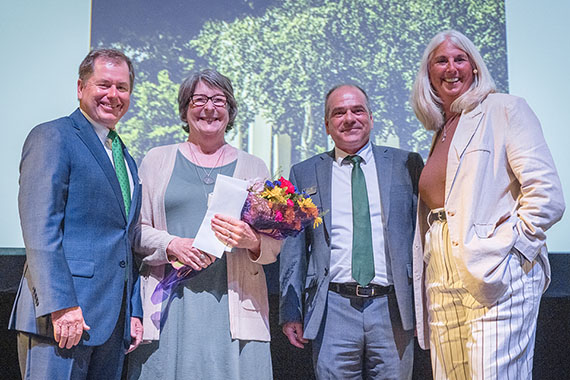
362	252
120	168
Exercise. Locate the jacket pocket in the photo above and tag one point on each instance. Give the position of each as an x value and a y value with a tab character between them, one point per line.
484	230
478	150
477	158
81	268
253	288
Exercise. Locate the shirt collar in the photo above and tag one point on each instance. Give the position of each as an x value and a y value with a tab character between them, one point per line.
365	152
100	129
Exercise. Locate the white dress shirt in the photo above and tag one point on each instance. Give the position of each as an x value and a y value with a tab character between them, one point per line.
102	133
341	218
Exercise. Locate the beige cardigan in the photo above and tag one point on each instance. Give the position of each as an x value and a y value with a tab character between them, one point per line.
247	290
502	193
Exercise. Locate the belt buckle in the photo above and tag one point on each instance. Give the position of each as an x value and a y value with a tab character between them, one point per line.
358	294
441	215
437	216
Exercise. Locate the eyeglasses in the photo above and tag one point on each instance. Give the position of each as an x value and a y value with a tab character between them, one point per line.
200	100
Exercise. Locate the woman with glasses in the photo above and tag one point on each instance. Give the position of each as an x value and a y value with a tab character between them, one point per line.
217	325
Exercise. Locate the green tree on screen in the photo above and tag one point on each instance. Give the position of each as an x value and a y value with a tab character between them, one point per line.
283	61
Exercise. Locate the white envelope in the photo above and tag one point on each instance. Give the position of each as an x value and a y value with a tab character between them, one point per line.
228	198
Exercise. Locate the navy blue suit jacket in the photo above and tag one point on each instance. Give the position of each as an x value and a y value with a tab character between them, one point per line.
305	259
77	235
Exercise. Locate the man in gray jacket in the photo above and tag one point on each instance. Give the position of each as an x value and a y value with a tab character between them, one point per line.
347	285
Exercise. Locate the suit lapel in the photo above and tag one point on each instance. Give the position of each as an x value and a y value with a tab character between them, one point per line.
87	134
468	125
383	162
323	171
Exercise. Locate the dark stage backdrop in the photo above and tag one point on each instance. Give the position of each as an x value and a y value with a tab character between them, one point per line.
289	363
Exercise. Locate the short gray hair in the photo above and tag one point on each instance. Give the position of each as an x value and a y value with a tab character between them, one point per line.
87	66
214	79
336	87
427	104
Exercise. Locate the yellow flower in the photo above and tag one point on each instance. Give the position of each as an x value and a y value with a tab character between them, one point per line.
306	203
318	220
276	194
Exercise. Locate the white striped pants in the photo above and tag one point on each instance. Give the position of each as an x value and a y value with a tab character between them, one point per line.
469	340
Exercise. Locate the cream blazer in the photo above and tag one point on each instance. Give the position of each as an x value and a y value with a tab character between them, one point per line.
247	289
502	193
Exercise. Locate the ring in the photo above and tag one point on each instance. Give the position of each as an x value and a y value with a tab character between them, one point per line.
202	256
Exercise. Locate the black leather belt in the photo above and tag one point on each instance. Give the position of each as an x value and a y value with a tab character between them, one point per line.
355	290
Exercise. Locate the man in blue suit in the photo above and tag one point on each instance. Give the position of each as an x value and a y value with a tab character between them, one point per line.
78	307
347	284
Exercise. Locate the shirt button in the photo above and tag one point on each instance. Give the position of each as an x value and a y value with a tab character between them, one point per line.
451	213
122	264
454	243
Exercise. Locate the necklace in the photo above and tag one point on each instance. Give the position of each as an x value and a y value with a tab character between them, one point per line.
208	179
447	125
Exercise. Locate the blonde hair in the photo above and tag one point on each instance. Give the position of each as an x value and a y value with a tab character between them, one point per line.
427	105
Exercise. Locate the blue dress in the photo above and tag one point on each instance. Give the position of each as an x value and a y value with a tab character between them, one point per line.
195	342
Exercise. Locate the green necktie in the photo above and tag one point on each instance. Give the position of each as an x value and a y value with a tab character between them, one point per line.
120	168
362	252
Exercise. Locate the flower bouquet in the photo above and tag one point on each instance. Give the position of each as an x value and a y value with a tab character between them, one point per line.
275	209
279	210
